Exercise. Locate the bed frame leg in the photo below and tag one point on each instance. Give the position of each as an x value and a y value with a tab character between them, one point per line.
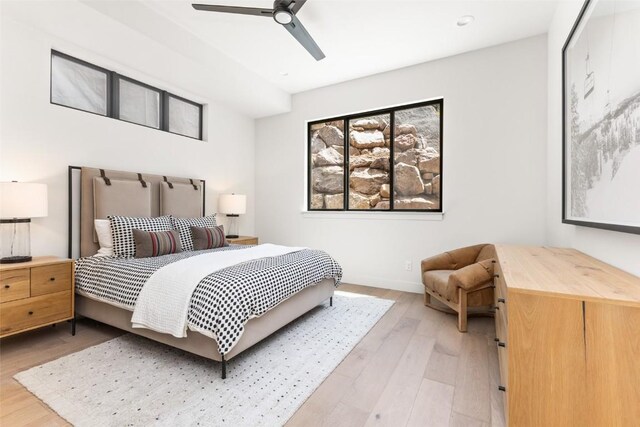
330	301
224	368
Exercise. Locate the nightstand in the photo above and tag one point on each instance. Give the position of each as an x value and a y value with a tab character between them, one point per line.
243	240
35	294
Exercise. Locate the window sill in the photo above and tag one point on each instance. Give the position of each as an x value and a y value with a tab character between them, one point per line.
393	216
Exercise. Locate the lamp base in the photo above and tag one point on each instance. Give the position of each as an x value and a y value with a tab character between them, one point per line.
15	244
15	259
233	231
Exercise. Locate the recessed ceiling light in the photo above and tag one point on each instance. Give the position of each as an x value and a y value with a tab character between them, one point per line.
284	73
465	20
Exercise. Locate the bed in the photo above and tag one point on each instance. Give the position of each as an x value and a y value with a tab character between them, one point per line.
229	310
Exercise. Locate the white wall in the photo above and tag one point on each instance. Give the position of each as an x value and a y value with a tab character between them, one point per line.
39	140
494	175
619	249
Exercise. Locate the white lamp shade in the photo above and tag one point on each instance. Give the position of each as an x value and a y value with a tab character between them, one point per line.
23	200
232	204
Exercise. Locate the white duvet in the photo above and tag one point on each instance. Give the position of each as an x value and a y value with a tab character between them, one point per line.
163	303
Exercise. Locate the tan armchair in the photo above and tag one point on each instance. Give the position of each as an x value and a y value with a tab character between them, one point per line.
460	279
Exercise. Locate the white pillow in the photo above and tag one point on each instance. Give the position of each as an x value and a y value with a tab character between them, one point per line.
105	239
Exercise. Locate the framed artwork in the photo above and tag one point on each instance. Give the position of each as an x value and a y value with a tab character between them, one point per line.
601	117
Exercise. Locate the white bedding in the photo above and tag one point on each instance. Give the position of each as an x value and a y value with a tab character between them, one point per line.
163	302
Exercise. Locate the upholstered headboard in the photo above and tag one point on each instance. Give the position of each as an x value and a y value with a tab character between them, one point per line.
106	192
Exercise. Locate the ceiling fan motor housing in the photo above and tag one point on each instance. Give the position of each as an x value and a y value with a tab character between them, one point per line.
281	11
282	16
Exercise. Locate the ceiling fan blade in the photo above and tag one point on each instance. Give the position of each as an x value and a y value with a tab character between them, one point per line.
300	33
256	11
297	5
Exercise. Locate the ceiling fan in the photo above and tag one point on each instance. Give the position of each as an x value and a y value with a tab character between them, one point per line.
283	12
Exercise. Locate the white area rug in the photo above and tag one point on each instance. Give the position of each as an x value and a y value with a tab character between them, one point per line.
134	381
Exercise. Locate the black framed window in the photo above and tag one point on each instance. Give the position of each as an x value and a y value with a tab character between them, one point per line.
364	145
83	86
184	117
79	85
137	102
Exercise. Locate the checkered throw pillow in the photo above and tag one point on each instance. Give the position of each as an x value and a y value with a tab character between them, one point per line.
122	229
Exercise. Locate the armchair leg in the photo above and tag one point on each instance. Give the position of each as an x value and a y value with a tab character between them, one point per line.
462	313
427	298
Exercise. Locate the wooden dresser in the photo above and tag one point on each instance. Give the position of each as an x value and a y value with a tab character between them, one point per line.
568	335
35	294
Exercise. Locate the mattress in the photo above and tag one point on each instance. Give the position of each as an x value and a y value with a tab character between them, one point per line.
223	301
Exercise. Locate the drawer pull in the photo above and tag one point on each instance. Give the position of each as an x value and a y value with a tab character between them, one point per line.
495	307
30	313
497	276
496	339
52	279
502	388
501	344
7	286
501	300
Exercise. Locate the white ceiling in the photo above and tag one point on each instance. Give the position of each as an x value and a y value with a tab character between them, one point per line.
359	38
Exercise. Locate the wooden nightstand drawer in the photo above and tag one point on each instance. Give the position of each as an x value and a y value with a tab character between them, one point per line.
36	311
14	284
39	293
243	240
49	279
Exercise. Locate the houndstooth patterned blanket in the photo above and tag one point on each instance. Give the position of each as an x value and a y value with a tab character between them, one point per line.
224	301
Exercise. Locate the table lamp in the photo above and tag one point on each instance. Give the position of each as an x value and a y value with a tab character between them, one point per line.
233	205
19	202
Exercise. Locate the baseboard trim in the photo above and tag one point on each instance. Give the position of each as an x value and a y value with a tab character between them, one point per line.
377	282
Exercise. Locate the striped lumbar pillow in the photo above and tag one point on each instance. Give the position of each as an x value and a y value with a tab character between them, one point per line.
208	238
183	225
156	243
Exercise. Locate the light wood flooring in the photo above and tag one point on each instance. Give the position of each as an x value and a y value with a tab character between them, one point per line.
412	369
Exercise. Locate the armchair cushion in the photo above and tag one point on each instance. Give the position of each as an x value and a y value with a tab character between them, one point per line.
472	276
488	252
438	262
453	260
438	281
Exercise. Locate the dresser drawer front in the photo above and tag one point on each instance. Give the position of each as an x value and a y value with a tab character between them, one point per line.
501	326
503	357
35	311
504	364
501	287
500	293
14	285
49	279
